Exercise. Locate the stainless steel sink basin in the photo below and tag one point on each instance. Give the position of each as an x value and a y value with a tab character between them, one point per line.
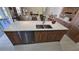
43	26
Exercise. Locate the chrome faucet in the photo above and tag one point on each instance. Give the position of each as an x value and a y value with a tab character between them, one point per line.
43	20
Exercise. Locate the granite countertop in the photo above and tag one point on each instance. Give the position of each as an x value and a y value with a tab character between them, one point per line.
31	26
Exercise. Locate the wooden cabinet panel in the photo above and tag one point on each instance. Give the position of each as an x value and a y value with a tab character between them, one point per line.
72	33
40	37
14	38
55	35
60	34
71	10
51	36
77	38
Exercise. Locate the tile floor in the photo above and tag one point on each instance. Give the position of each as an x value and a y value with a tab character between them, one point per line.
66	44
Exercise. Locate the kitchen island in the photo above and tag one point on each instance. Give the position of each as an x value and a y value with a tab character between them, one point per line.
20	29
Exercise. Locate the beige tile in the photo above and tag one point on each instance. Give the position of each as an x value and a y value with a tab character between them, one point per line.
66	44
50	46
77	45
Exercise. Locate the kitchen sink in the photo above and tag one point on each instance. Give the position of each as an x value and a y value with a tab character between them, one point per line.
43	26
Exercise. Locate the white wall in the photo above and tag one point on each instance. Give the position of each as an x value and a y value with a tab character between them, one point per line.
38	10
7	12
54	10
18	10
45	10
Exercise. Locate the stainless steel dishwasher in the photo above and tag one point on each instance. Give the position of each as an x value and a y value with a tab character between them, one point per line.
27	36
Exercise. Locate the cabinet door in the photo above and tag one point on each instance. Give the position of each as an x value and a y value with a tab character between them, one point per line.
60	34
77	38
40	36
55	35
27	36
14	38
73	32
51	36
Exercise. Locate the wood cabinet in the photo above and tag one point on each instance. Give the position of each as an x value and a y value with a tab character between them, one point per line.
77	38
40	36
73	32
49	36
69	12
60	34
36	37
14	37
